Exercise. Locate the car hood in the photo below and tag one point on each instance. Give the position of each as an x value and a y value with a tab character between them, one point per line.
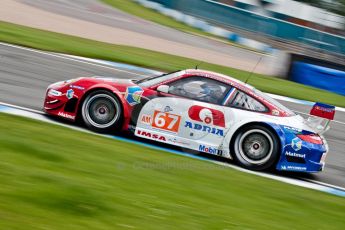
111	80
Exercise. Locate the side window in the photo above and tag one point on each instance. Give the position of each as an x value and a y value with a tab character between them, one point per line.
199	88
243	101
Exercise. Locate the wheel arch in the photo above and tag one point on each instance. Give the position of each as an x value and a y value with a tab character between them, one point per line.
113	91
270	126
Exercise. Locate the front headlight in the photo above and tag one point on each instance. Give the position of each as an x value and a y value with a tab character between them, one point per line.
53	92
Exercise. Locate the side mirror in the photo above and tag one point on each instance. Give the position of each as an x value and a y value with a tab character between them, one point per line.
163	88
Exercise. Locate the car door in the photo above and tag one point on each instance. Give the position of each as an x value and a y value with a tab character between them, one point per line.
190	115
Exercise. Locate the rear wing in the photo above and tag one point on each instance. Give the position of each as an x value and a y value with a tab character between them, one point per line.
320	117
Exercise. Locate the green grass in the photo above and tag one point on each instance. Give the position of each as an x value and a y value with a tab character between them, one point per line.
56	42
91	182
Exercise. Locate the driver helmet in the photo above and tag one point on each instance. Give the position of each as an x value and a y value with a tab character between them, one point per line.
212	90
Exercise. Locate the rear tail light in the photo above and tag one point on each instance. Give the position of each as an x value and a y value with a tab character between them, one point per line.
311	138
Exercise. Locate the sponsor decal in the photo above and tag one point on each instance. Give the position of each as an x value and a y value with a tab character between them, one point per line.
327	110
275	112
166	121
168	109
146	119
76	87
69	93
293	129
176	141
204	128
53	92
297	168
151	135
65	115
133	95
296	144
206	115
292	154
323	110
210	150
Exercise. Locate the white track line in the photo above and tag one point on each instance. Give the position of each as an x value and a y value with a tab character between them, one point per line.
22	108
69	58
325	184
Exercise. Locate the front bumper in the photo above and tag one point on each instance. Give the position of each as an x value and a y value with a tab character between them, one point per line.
61	101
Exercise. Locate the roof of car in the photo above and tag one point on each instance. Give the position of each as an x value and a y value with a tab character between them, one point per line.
220	77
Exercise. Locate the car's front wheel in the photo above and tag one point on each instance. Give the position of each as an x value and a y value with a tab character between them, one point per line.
256	147
101	111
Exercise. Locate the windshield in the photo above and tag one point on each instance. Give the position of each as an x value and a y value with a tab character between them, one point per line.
274	102
150	81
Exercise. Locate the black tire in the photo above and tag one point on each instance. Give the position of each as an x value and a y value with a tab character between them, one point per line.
255	147
101	111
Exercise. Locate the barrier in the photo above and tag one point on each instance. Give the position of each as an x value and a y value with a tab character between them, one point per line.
318	76
203	25
222	14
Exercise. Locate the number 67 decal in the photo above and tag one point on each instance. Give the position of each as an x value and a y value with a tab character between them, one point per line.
166	121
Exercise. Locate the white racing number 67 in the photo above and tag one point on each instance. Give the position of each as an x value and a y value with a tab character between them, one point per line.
166	121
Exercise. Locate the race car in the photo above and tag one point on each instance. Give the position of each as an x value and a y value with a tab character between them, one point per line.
198	110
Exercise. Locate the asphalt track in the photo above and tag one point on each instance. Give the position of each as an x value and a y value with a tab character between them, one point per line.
25	74
100	13
114	26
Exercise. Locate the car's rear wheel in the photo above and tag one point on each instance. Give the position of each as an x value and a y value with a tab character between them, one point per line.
256	147
101	111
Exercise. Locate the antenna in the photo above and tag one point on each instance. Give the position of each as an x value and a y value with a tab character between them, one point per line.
251	73
197	65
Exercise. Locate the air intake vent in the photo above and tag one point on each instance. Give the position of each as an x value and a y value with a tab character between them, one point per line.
71	105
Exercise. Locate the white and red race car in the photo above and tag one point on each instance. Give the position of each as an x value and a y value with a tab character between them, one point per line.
198	110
